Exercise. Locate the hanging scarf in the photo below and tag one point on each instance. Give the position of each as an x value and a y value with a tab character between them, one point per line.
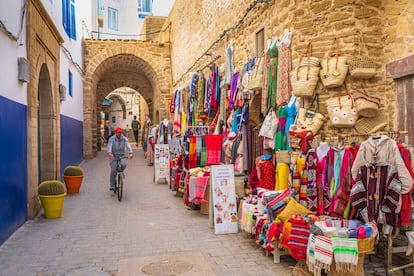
213	148
192	155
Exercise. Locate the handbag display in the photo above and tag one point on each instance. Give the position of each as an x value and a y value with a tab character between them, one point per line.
367	106
269	126
305	75
334	68
342	110
255	82
306	119
361	67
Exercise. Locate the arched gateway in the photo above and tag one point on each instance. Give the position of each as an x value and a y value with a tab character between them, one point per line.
110	64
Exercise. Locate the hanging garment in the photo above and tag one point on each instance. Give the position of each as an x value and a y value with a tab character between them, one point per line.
192	154
282	176
283	74
376	196
280	131
341	203
290	119
272	76
379	150
405	214
266	172
229	63
266	64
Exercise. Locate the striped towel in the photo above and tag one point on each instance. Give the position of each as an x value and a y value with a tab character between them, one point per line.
310	253
346	254
323	252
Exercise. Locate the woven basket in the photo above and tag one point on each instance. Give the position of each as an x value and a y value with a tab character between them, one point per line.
362	67
333	71
283	156
311	61
366	105
367	125
205	207
366	245
304	80
342	111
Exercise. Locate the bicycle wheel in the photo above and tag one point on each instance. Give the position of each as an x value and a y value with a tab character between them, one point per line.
120	186
116	183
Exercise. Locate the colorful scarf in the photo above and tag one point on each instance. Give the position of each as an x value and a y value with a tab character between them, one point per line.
346	254
192	154
203	152
213	148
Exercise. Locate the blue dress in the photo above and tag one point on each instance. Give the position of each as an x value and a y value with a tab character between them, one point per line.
290	119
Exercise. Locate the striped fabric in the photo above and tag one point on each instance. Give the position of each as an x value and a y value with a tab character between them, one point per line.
299	235
346	254
323	252
277	205
310	253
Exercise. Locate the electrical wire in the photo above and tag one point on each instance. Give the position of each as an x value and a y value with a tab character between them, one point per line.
223	34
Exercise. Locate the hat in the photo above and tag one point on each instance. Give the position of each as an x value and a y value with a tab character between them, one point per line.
367	125
118	130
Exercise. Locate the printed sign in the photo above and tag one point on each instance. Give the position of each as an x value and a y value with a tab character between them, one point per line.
162	163
224	199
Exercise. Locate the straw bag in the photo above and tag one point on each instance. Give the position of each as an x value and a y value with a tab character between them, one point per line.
334	68
255	82
283	156
362	67
304	77
342	111
366	105
367	125
306	119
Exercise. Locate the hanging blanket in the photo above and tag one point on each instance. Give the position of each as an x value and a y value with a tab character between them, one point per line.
192	155
200	189
213	148
346	254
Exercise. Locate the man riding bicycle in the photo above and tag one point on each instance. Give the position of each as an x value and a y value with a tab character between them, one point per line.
116	149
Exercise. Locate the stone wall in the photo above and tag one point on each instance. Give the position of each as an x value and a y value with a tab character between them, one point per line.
151	26
384	27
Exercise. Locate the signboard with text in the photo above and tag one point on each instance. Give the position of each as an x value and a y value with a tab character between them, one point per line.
224	199
162	163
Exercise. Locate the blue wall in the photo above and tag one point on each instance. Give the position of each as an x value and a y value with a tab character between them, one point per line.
71	133
13	167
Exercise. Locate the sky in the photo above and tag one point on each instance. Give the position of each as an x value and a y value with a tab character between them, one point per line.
162	7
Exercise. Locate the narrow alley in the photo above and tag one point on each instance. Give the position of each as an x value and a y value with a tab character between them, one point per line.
151	232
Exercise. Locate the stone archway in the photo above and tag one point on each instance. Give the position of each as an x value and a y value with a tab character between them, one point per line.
142	66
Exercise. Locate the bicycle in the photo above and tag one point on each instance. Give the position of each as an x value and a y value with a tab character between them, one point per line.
119	179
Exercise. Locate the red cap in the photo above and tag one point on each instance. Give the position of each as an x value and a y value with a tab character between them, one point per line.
118	130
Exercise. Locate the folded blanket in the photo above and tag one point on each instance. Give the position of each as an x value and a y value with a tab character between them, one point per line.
346	254
323	252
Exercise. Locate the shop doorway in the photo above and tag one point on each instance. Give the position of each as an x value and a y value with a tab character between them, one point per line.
45	127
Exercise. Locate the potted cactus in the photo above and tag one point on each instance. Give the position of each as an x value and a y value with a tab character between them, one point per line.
73	176
52	195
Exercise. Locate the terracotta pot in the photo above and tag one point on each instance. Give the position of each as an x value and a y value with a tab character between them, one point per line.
73	183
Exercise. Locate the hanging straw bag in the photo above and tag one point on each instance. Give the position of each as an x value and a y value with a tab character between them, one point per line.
366	105
361	67
255	82
334	68
342	110
305	75
308	119
283	156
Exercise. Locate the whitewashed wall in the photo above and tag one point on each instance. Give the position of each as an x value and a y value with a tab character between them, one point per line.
10	86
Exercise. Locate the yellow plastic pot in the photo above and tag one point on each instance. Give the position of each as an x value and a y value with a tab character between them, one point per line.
52	205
